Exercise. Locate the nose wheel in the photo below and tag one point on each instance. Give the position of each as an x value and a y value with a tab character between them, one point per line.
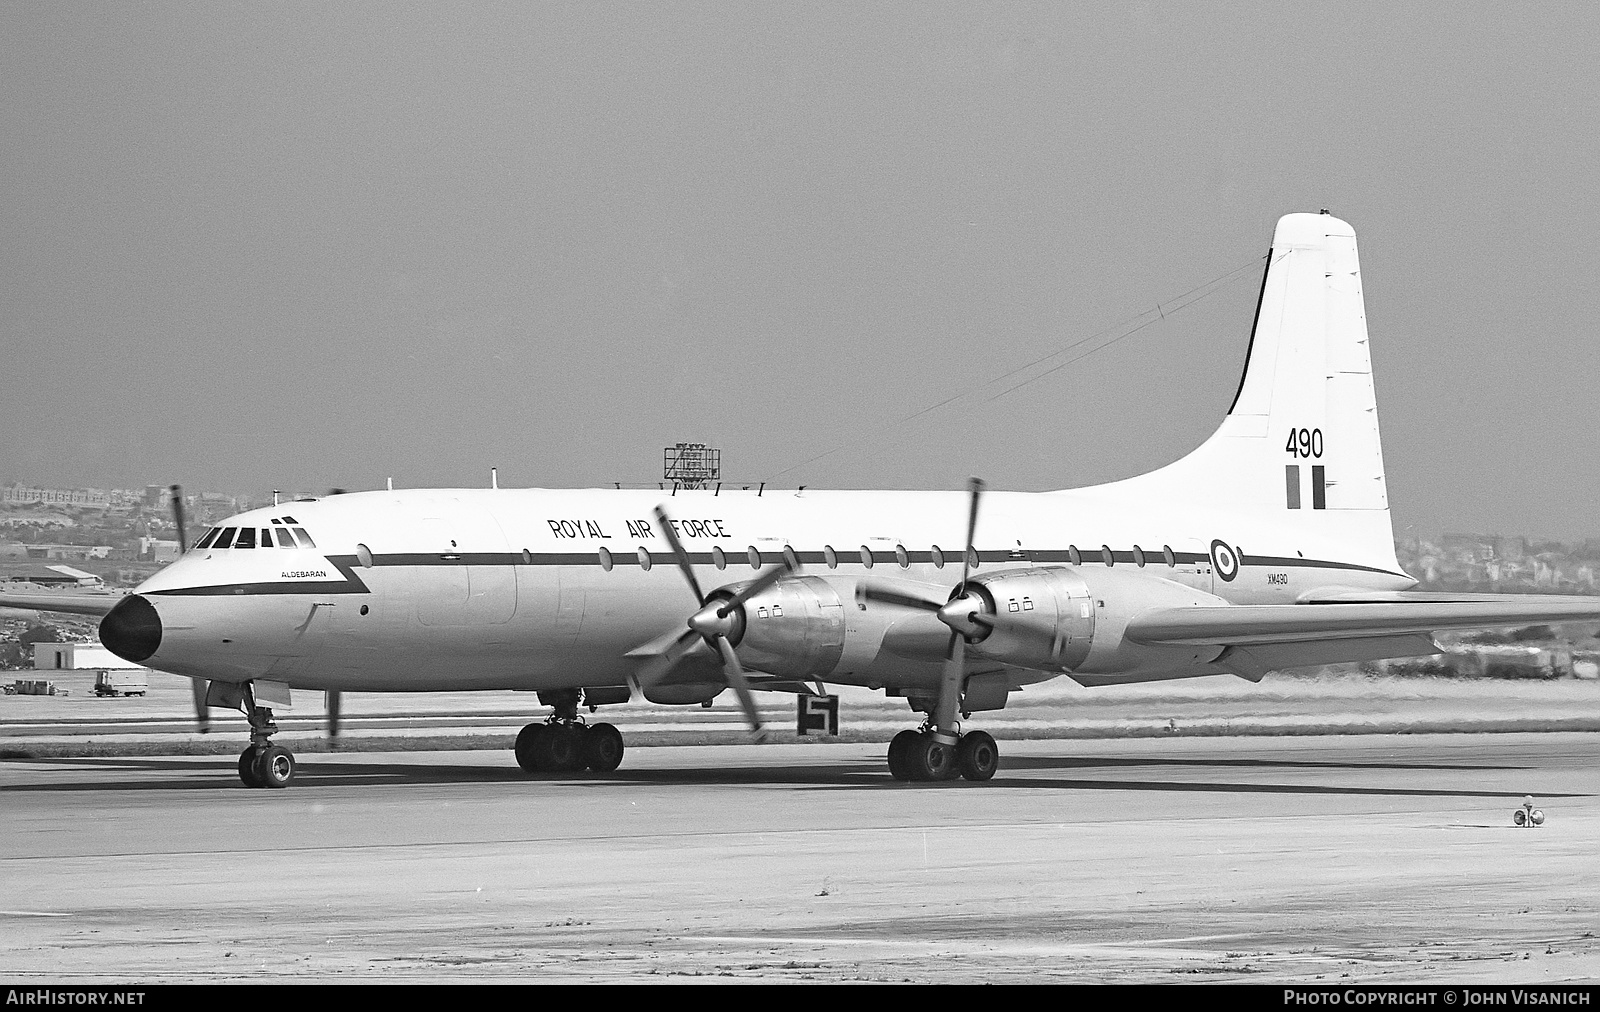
925	756
263	764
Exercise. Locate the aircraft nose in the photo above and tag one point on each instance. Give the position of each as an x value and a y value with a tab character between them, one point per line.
132	630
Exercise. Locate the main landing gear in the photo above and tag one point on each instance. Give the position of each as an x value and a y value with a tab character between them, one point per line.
926	755
263	764
565	744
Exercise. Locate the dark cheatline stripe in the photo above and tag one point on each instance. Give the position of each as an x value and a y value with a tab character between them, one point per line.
1291	482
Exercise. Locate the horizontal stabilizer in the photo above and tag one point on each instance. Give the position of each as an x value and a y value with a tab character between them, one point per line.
1241	625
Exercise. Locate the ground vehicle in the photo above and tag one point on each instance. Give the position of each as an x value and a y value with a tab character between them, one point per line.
121	682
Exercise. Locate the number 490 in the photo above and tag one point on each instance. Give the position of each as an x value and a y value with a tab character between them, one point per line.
1304	443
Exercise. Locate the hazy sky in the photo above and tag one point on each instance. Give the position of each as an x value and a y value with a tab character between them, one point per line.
268	245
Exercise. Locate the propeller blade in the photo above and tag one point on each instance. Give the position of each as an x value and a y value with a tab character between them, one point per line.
734	672
756	586
679	554
202	711
177	517
976	486
880	593
334	703
662	655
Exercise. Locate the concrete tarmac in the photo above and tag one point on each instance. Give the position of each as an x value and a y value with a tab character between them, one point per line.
1370	859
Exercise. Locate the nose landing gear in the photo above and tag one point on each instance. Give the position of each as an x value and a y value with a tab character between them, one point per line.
263	764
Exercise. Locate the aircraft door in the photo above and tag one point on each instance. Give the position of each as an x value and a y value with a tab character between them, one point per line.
471	579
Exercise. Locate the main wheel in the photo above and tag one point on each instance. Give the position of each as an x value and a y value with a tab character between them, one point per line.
274	766
930	759
602	748
977	756
1519	817
898	746
247	767
559	749
526	748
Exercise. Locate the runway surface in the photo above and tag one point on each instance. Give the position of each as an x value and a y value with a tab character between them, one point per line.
1368	858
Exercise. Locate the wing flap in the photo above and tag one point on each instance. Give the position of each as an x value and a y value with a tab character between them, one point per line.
1244	625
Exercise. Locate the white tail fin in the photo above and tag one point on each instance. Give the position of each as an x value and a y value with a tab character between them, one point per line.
1300	442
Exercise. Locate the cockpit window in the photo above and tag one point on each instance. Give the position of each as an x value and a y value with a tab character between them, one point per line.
225	538
246	538
209	536
305	539
266	537
285	539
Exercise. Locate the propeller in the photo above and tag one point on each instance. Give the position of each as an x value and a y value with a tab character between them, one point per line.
199	686
963	611
334	700
710	626
176	498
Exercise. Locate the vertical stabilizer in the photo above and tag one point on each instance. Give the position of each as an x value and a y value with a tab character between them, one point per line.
1300	442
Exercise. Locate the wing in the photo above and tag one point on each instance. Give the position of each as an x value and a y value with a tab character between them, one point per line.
97	604
1345	626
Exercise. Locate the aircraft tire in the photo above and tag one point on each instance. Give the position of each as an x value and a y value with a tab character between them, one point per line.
929	759
978	757
274	767
247	767
526	749
559	749
602	748
898	746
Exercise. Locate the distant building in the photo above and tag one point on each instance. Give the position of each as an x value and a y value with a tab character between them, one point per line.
56	576
75	657
69	496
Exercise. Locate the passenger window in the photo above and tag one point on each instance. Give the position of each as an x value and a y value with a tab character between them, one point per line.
364	556
901	556
972	558
938	557
830	556
1074	555
719	558
644	558
789	557
1106	556
285	539
866	556
205	541
304	538
1166	553
1138	556
246	538
225	539
605	559
754	557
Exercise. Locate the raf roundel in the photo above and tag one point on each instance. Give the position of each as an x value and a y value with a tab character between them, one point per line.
1226	560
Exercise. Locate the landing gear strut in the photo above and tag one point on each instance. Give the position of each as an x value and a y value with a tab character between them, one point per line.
565	744
263	764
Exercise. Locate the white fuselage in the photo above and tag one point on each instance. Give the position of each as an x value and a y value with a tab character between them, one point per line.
454	589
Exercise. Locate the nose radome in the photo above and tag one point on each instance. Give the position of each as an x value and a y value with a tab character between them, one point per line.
132	630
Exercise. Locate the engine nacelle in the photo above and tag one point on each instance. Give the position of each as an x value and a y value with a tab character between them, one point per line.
1072	619
794	628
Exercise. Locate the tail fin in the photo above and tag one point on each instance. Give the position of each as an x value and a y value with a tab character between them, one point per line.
1301	438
